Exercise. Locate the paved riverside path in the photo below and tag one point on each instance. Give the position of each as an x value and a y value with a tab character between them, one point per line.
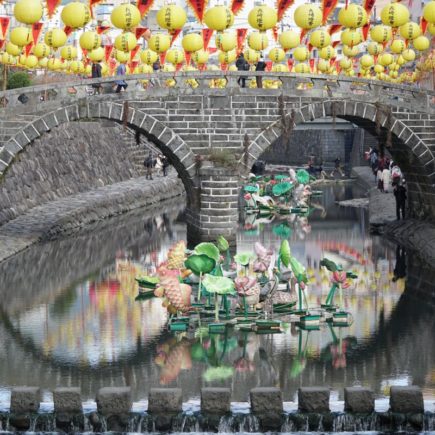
73	212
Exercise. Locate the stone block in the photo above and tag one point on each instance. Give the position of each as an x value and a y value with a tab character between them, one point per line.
215	400
162	400
67	400
25	399
114	400
359	400
406	399
313	399
266	400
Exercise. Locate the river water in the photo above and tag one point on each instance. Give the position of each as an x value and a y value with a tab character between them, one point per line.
69	315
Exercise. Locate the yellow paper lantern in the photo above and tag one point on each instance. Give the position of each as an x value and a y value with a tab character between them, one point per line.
366	61
88	70
302	68
13	49
41	50
320	38
374	48
279	67
89	40
345	63
77	66
54	64
258	41
308	16
125	42
408	55
351	37
28	11
148	57
145	69
350	51
386	59
68	52
227	57
76	15
323	65
421	43
381	33
97	54
327	52
353	16
171	17
122	56
175	56
276	54
429	12
395	15
289	39
31	61
379	69
200	57
400	60
125	16
43	62
431	28
262	17
192	42
397	46
159	42
8	59
251	55
22	60
301	53
21	36
219	18
226	41
55	38
410	30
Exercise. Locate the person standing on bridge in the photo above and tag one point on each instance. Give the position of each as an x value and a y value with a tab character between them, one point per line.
260	67
149	165
121	84
400	195
96	72
242	65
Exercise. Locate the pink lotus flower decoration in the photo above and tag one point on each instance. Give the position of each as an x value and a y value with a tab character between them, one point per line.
247	196
246	286
340	277
264	257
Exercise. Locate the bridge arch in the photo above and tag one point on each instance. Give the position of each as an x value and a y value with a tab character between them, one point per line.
414	156
163	137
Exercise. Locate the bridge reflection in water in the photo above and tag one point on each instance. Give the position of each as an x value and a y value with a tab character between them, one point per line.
69	315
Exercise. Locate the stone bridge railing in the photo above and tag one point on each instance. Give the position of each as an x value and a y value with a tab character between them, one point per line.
40	97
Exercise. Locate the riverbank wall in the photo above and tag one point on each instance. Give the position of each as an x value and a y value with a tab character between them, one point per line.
164	411
66	215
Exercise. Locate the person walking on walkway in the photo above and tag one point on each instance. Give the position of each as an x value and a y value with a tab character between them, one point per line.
400	195
121	84
337	167
242	65
149	164
260	67
96	72
165	163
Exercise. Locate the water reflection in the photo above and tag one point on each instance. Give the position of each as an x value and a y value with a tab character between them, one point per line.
76	321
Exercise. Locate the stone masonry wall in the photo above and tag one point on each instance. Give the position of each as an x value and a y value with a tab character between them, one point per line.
74	157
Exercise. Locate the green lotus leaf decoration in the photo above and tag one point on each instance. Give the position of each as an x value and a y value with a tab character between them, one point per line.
302	176
222	244
298	269
209	249
219	284
281	189
243	258
280	177
329	264
148	279
218	373
200	264
197	352
285	253
282	230
351	275
251	189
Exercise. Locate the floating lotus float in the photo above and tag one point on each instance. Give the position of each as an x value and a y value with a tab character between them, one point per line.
252	291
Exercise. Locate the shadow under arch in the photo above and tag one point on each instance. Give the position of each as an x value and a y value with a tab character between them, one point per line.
164	138
413	155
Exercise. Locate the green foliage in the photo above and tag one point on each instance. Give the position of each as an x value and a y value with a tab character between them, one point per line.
18	80
200	264
208	249
222	244
285	253
223	157
219	284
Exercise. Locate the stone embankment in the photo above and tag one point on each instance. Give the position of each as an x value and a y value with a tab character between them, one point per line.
68	214
266	411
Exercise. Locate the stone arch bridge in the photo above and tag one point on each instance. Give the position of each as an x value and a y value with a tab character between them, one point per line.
213	135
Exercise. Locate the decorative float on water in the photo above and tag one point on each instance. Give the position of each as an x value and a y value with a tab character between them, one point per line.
252	291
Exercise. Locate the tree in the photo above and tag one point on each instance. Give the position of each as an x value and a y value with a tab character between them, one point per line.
18	80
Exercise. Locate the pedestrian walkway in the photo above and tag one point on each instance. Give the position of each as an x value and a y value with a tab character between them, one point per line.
66	214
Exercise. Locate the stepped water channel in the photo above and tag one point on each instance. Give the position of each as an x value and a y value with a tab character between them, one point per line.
70	317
